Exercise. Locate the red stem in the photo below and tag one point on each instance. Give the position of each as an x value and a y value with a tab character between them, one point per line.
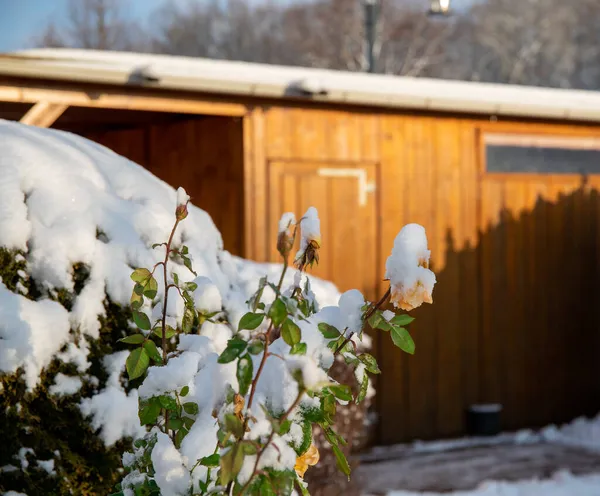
164	313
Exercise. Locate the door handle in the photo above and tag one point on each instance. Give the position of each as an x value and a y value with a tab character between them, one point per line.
364	185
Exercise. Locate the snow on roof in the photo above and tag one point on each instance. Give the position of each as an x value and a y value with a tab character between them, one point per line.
272	81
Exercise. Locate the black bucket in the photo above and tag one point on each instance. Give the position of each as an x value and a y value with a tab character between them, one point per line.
484	420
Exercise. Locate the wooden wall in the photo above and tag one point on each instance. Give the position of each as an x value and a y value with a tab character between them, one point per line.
516	256
513	318
204	155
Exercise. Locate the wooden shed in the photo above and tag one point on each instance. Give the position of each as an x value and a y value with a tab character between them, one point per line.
505	180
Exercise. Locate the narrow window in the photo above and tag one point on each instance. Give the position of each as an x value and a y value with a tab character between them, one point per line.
542	154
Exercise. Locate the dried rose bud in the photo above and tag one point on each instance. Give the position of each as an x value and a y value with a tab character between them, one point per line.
287	234
181	212
183	198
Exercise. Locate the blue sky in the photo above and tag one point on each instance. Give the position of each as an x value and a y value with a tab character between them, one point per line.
20	20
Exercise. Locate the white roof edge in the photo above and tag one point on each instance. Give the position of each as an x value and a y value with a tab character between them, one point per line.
271	81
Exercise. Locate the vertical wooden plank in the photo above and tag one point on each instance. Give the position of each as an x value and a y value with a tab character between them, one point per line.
260	196
444	243
422	366
248	179
492	291
369	136
278	133
469	302
392	389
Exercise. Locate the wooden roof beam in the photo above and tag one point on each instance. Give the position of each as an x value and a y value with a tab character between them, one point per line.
43	114
126	100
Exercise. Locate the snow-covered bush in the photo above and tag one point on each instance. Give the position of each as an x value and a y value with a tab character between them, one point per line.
75	220
230	399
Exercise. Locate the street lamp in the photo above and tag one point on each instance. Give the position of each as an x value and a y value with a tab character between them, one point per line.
439	7
372	8
371	15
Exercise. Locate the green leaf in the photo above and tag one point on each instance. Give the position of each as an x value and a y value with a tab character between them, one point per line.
266	487
151	288
184	249
176	278
179	435
328	331
364	388
138	289
341	392
302	486
290	332
234	425
156	245
231	464
149	412
169	331
256	347
298	349
152	351
137	363
136	301
188	263
175	424
251	321
184	391
244	373
141	320
306	438
401	320
254	300
190	286
187	323
284	427
168	402
370	363
141	275
277	312
188	422
341	461
211	461
248	447
376	321
190	408
133	339
283	481
235	347
329	406
403	340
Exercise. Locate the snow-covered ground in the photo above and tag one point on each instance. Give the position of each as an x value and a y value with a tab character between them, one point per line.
529	452
561	484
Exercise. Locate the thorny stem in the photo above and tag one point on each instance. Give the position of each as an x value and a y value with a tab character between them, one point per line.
377	305
164	312
370	312
266	351
270	439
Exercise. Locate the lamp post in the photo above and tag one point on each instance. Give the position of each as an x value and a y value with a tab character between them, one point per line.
439	7
372	7
371	15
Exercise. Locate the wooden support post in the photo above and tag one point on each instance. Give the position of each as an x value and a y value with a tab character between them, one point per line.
43	114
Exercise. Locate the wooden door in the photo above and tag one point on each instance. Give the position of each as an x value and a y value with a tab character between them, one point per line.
343	195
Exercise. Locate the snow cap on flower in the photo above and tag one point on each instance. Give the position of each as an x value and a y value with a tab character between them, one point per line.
285	237
310	240
182	201
407	268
